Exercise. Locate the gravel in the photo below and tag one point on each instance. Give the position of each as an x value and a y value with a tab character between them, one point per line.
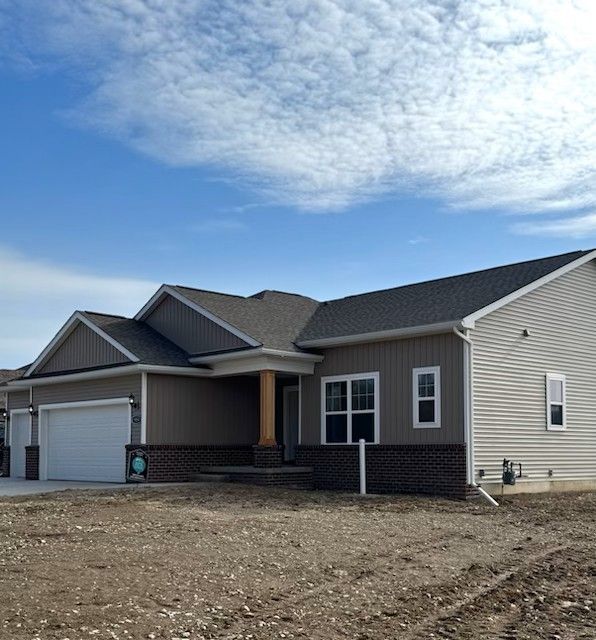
226	561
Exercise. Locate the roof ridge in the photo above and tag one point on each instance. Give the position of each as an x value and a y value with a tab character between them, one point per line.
285	293
579	253
219	293
107	315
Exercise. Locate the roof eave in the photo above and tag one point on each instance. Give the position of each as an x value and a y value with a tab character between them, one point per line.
376	336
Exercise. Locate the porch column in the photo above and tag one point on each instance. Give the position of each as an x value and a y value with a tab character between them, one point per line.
267	433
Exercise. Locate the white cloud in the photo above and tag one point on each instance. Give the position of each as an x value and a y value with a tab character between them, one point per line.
325	102
572	226
38	297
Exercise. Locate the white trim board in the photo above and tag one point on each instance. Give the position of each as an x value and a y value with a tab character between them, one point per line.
168	290
63	334
109	372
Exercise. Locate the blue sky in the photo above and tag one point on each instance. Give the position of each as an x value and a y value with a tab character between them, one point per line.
141	143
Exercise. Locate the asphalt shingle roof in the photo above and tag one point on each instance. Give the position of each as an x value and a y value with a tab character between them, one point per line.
435	301
273	318
139	338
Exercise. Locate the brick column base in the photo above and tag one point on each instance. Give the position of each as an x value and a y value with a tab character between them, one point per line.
268	457
5	466
32	462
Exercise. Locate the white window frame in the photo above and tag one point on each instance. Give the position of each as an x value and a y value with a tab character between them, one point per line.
348	378
559	377
436	370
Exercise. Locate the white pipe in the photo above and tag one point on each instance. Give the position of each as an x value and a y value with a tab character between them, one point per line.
486	495
362	461
469	415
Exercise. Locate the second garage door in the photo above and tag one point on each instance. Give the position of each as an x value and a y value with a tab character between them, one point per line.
88	443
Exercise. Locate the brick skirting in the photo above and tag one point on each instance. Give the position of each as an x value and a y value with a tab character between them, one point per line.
179	462
438	469
297	480
268	457
5	467
32	462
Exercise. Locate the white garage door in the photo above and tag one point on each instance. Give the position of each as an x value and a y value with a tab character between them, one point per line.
88	443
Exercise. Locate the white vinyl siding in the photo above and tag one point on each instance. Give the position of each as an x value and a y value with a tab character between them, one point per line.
509	373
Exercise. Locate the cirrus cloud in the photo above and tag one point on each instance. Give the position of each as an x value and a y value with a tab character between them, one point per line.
321	103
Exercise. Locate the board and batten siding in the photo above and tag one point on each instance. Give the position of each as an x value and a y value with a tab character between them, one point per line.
96	389
189	329
394	360
82	349
509	373
200	411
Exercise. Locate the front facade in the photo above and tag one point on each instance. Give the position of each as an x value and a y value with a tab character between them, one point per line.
442	380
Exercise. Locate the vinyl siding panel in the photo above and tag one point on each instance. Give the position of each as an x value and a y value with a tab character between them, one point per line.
510	380
82	349
98	389
394	360
199	411
190	330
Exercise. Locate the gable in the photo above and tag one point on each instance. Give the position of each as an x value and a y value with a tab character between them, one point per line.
83	348
189	329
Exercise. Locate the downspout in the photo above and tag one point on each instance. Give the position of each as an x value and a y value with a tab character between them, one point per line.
469	415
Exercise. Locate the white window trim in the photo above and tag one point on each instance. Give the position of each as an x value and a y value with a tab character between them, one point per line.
561	378
415	407
348	379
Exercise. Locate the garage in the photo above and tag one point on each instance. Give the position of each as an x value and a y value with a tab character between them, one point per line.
87	442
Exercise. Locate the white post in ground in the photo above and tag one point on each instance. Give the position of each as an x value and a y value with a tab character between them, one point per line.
362	460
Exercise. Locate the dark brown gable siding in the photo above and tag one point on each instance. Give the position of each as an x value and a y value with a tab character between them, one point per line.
190	330
82	349
199	411
394	360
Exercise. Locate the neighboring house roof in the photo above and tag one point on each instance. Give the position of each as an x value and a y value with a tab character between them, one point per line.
149	346
11	374
427	303
273	318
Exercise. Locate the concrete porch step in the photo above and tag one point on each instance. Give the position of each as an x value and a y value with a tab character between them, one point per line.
210	477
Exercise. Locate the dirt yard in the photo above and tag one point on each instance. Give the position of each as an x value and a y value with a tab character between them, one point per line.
232	562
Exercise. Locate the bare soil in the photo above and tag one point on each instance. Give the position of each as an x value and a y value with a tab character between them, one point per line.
221	561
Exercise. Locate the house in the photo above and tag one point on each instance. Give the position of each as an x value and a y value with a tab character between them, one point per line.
443	379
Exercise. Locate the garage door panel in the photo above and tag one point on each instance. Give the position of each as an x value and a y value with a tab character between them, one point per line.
88	443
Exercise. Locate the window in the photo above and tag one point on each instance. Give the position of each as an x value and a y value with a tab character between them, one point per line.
426	388
556	410
350	408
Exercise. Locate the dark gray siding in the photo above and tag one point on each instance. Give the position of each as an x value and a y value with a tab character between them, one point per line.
190	330
97	389
394	360
18	399
82	349
199	411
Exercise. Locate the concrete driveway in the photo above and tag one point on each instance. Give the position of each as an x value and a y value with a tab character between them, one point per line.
21	487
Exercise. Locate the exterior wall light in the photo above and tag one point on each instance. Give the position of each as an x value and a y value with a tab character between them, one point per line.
4	415
132	401
32	411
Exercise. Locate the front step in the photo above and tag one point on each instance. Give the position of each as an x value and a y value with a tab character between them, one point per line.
210	477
